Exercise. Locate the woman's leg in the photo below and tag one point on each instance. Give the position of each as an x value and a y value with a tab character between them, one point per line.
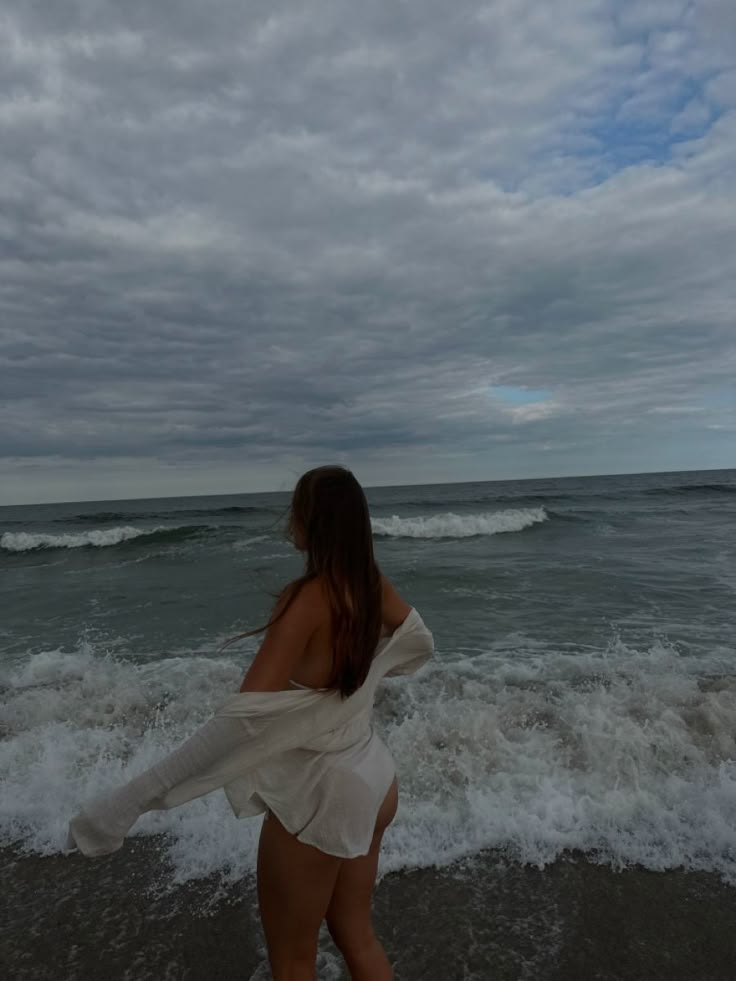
295	882
349	912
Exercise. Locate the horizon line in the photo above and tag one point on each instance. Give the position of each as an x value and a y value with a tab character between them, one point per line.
431	483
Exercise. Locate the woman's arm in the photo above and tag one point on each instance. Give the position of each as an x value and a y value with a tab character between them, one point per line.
394	608
284	644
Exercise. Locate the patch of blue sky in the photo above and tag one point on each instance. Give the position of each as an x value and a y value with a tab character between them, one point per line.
517	395
623	138
632	129
719	398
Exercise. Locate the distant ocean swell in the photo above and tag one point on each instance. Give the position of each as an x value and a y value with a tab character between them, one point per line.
447	525
102	516
556	494
692	489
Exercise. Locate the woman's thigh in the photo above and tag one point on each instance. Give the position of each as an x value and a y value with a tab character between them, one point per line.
349	911
295	883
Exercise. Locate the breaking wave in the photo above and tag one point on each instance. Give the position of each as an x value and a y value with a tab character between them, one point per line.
450	525
22	541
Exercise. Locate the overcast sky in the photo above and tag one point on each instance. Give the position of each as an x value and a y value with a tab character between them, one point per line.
432	241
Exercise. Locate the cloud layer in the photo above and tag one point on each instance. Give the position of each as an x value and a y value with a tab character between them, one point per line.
239	240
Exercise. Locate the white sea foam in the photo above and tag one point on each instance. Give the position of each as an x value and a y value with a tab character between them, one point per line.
629	755
245	544
21	541
450	525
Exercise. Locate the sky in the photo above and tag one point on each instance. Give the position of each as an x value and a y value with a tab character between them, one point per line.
429	241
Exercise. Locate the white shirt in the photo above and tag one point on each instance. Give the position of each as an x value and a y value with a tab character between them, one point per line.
308	755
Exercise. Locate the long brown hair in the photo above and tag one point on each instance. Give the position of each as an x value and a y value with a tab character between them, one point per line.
329	518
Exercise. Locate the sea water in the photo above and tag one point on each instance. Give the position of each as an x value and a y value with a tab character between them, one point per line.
582	696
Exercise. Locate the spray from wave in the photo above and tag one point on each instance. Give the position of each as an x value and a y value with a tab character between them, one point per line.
450	525
625	753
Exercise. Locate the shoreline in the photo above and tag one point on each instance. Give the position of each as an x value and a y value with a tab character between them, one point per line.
482	917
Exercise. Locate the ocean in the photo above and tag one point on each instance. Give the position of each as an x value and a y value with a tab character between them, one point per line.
578	720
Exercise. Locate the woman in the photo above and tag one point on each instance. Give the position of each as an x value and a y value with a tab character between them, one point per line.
323	635
297	741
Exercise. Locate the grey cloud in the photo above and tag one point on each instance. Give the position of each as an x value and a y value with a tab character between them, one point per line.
296	228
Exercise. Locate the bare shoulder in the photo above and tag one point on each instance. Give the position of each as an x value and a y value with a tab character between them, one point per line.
308	606
311	607
395	609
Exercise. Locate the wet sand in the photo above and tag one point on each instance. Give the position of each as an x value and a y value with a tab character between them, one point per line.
68	917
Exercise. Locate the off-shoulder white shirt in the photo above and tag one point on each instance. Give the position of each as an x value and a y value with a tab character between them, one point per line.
308	755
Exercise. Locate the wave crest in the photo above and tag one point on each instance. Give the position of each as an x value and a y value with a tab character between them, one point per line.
23	541
450	525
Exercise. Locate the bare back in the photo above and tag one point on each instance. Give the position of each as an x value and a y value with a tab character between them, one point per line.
313	670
